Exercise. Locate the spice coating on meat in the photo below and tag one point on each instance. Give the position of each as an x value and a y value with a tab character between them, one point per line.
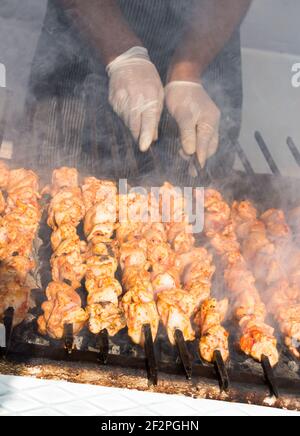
66	210
257	338
104	290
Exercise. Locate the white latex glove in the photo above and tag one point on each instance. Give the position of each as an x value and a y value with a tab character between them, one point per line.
136	94
197	116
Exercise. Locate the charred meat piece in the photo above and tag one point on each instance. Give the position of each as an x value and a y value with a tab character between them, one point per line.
62	307
214	337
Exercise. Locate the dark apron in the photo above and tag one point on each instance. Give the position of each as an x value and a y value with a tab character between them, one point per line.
70	122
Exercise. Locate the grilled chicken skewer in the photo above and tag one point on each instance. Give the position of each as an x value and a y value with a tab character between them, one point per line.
257	338
139	300
175	305
214	337
195	269
268	243
147	247
18	228
210	313
103	289
66	210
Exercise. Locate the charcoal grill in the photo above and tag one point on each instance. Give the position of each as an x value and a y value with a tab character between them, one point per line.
165	368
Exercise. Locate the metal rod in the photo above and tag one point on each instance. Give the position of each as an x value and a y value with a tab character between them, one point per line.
294	150
266	152
151	363
221	371
8	322
69	338
183	353
243	157
269	376
104	347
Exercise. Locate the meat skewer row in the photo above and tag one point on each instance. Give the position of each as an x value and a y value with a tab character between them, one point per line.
195	271
103	289
163	282
210	313
175	305
257	338
267	242
18	228
138	301
66	210
176	264
146	248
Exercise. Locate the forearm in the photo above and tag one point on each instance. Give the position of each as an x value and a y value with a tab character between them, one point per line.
210	26
102	22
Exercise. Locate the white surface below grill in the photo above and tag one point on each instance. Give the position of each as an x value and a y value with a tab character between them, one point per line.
21	396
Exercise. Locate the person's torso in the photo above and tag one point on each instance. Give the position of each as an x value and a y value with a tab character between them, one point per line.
158	23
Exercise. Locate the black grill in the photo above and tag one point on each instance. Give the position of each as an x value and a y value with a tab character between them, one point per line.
24	343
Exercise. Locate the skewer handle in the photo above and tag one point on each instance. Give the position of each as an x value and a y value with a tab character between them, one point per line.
221	371
183	353
150	355
267	155
294	150
269	376
104	347
8	322
244	159
69	338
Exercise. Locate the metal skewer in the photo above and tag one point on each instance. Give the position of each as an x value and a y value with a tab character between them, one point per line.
245	161
221	371
266	152
8	322
69	338
294	150
150	355
183	353
269	376
104	346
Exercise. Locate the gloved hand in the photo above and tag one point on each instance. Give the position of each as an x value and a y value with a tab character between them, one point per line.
197	116
136	94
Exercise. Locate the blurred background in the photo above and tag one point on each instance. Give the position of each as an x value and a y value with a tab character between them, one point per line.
271	45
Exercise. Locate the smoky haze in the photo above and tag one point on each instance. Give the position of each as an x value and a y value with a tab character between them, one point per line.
21	24
20	27
18	48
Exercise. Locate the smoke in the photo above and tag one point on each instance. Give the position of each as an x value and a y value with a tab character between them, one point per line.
20	26
64	67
